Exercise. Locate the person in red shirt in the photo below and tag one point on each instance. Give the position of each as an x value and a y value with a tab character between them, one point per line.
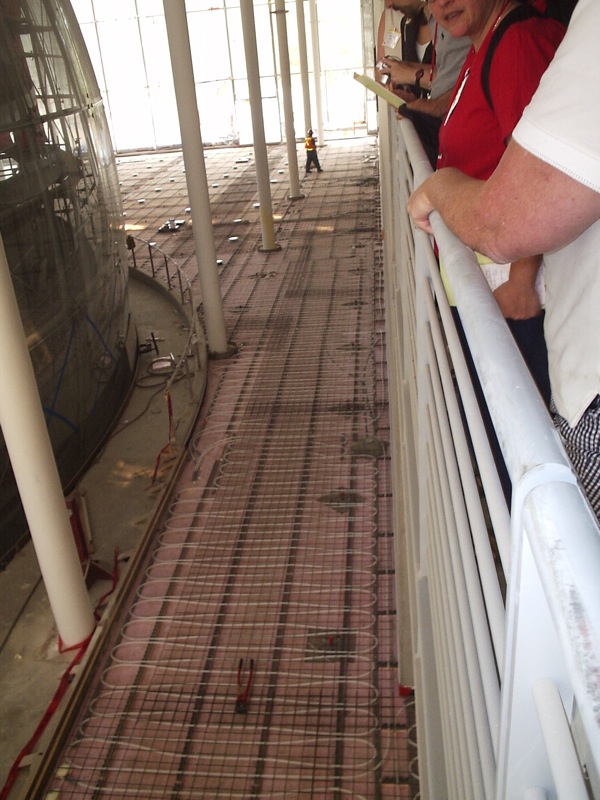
476	129
512	46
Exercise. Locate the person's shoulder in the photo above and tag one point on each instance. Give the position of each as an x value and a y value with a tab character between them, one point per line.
546	26
535	33
532	27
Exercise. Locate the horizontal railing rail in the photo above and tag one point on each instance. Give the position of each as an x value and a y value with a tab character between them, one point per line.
502	643
161	266
165	270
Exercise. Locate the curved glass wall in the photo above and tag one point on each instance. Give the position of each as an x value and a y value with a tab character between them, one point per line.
60	221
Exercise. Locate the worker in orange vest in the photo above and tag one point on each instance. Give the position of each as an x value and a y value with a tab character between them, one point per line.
311	152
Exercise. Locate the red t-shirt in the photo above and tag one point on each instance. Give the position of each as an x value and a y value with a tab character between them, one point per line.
473	136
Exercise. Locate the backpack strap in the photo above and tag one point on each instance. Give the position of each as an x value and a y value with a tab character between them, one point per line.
560	10
522	12
409	29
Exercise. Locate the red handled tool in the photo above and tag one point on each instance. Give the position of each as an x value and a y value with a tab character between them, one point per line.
241	704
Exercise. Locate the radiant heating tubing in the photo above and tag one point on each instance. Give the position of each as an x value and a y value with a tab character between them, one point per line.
276	552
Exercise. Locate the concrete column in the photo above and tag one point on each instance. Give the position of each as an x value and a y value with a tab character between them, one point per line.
28	444
301	23
288	110
314	30
195	173
258	127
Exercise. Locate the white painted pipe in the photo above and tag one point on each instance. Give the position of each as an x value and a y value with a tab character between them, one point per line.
564	763
258	127
28	444
314	30
288	110
535	793
303	55
195	173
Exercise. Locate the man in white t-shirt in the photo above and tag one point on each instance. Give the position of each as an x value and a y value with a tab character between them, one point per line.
545	197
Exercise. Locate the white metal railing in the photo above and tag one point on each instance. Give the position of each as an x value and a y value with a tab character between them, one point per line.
502	642
165	270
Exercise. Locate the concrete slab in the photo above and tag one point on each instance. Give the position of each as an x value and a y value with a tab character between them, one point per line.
121	492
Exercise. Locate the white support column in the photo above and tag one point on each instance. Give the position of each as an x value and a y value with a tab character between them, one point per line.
302	51
28	444
258	128
288	111
195	173
314	30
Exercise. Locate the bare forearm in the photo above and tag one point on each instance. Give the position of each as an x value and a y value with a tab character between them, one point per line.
406	72
436	107
526	207
518	297
456	197
524	272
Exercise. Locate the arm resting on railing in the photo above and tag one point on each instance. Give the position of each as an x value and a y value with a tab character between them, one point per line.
501	217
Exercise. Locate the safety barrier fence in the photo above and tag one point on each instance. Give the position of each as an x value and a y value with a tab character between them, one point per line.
162	267
500	634
153	261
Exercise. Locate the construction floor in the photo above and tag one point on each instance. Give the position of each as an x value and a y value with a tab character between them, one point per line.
254	654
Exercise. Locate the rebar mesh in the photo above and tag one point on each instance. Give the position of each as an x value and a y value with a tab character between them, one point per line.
257	656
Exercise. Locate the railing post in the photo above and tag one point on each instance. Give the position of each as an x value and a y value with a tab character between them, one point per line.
559	743
166	262
530	630
151	246
180	287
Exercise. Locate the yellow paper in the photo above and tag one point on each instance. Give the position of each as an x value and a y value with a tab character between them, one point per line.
380	90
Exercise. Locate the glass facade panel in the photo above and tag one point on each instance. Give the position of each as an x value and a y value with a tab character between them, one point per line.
209	50
127	73
265	42
166	125
217	119
107	10
61	224
237	56
340	36
272	119
340	89
218	56
126	78
153	31
202	5
84	10
154	8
